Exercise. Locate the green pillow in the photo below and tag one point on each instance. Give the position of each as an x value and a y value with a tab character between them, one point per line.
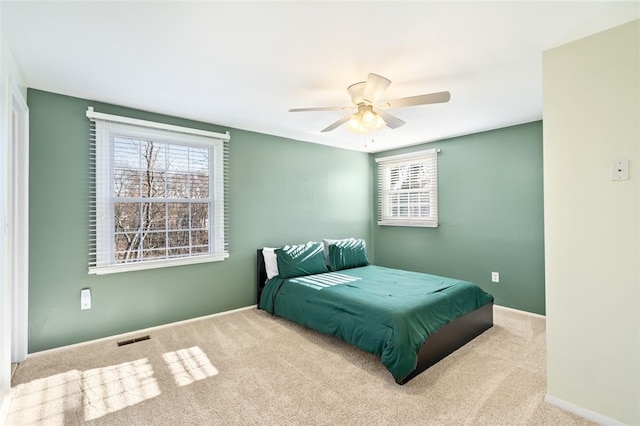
347	254
301	259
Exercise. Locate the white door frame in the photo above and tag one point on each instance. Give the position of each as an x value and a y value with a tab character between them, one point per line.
18	211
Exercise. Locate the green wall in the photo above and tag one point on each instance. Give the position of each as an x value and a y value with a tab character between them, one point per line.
281	191
490	217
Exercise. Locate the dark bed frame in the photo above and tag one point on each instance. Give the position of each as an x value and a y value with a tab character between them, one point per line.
441	343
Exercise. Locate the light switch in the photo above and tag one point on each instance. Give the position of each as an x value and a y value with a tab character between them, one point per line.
620	170
85	299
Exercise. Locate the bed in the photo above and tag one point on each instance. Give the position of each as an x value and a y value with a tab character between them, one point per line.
410	320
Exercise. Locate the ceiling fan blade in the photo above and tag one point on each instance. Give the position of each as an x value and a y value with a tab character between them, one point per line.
392	121
337	123
375	87
321	109
431	98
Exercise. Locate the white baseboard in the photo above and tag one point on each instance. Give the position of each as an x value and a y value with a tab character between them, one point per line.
144	330
582	412
519	311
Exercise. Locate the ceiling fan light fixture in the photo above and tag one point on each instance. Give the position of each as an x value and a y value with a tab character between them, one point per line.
368	119
365	120
354	124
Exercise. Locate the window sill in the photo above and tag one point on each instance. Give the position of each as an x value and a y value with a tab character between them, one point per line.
421	224
155	264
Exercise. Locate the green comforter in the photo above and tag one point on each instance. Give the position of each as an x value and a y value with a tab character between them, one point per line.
387	312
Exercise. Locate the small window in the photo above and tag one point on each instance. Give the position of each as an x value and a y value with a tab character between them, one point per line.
408	189
158	195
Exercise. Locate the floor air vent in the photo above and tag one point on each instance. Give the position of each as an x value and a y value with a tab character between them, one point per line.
137	339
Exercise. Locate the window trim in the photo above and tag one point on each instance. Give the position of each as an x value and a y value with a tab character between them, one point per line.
429	155
93	115
154	264
101	231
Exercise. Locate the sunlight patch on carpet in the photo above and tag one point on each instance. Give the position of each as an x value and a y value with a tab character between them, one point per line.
91	393
112	388
189	365
45	401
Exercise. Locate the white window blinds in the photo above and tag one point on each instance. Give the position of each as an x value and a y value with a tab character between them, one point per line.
158	195
408	189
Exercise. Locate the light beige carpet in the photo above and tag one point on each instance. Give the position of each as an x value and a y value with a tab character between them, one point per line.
249	368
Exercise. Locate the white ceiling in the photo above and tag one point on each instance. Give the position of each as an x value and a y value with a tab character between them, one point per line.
245	64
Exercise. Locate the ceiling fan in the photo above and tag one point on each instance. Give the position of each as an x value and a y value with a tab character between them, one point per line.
369	114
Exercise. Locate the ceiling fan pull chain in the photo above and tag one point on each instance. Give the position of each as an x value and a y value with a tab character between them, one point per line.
365	141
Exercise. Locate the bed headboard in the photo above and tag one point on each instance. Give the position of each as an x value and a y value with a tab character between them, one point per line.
261	276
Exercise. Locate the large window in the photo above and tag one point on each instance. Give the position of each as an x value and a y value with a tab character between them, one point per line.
158	195
408	189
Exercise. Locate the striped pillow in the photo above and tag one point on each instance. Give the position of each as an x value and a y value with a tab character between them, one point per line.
347	254
301	259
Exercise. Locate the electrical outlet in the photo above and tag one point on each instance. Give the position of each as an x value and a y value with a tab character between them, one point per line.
85	299
495	277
